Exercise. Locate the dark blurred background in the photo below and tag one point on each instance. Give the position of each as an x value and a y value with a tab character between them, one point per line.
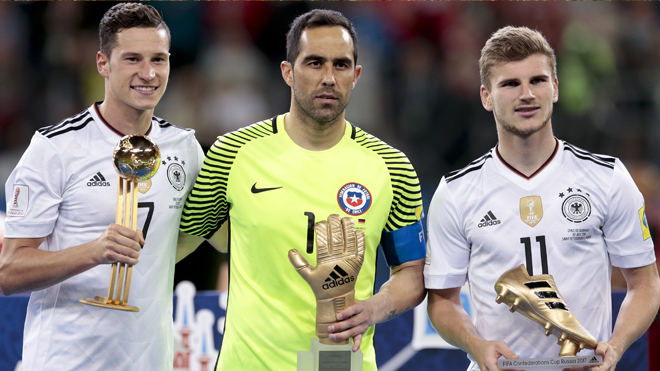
419	89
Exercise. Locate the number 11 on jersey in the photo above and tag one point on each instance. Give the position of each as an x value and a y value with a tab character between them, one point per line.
527	241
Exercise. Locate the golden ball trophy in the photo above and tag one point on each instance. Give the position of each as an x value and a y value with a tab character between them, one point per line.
537	298
136	158
339	256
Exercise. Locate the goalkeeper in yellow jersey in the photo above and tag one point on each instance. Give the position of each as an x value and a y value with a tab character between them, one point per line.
267	185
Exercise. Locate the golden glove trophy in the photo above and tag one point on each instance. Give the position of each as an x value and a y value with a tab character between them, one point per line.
135	158
537	298
339	254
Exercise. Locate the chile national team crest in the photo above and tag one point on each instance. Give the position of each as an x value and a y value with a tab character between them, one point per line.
354	199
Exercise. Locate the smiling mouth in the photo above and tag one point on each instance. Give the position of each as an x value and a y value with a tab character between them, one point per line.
146	89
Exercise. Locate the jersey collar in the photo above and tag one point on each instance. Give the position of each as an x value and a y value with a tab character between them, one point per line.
350	132
545	164
98	113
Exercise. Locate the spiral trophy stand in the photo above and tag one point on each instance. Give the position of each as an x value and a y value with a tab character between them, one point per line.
135	158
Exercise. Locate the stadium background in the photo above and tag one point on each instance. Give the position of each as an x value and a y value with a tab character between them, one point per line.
418	90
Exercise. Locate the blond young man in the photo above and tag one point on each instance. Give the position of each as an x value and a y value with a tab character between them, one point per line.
539	201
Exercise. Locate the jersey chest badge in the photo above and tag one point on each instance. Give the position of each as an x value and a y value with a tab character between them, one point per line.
144	186
354	199
576	207
175	173
531	210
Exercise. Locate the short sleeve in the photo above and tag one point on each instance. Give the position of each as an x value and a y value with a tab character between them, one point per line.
206	207
626	230
34	191
447	251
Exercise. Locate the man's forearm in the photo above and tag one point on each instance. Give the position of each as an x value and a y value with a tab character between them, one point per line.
25	268
403	291
639	307
452	322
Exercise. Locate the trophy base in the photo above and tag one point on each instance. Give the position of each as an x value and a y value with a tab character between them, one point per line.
325	357
554	363
103	302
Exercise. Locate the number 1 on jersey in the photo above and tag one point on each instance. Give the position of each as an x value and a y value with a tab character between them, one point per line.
527	241
310	231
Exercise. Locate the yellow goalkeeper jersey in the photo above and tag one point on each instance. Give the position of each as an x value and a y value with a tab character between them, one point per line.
272	192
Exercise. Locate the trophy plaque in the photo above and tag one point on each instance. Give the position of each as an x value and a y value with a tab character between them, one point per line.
339	256
537	298
136	158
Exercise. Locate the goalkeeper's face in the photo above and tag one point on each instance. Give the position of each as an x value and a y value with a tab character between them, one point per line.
324	73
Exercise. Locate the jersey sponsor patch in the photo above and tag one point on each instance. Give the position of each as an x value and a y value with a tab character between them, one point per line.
354	199
488	220
644	222
531	210
19	202
98	180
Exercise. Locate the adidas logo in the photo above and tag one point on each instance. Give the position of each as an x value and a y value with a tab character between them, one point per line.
98	181
593	360
488	220
336	278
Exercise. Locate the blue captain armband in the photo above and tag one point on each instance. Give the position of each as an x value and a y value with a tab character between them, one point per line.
404	244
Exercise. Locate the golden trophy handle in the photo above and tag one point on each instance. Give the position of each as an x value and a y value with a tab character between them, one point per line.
136	158
127	217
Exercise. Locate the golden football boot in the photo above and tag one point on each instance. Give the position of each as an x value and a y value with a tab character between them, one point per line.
538	299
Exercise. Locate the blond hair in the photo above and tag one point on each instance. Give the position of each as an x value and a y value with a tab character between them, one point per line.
511	44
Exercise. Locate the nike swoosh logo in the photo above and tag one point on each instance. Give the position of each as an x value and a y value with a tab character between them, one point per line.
259	190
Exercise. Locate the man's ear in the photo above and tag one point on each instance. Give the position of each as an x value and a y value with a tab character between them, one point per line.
358	72
287	72
485	98
102	64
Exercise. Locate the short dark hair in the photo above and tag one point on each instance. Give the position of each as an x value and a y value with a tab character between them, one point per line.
312	19
512	44
128	15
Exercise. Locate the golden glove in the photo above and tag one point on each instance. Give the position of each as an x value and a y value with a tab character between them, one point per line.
339	256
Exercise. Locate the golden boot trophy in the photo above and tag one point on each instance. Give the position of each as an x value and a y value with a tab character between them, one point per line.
537	298
339	255
135	158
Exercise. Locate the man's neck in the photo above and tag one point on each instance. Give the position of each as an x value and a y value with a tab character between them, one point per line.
126	120
527	154
312	135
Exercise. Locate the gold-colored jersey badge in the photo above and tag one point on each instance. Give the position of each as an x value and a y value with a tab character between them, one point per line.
531	210
144	186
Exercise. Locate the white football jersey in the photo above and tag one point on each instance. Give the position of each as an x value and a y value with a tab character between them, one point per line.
577	216
64	188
